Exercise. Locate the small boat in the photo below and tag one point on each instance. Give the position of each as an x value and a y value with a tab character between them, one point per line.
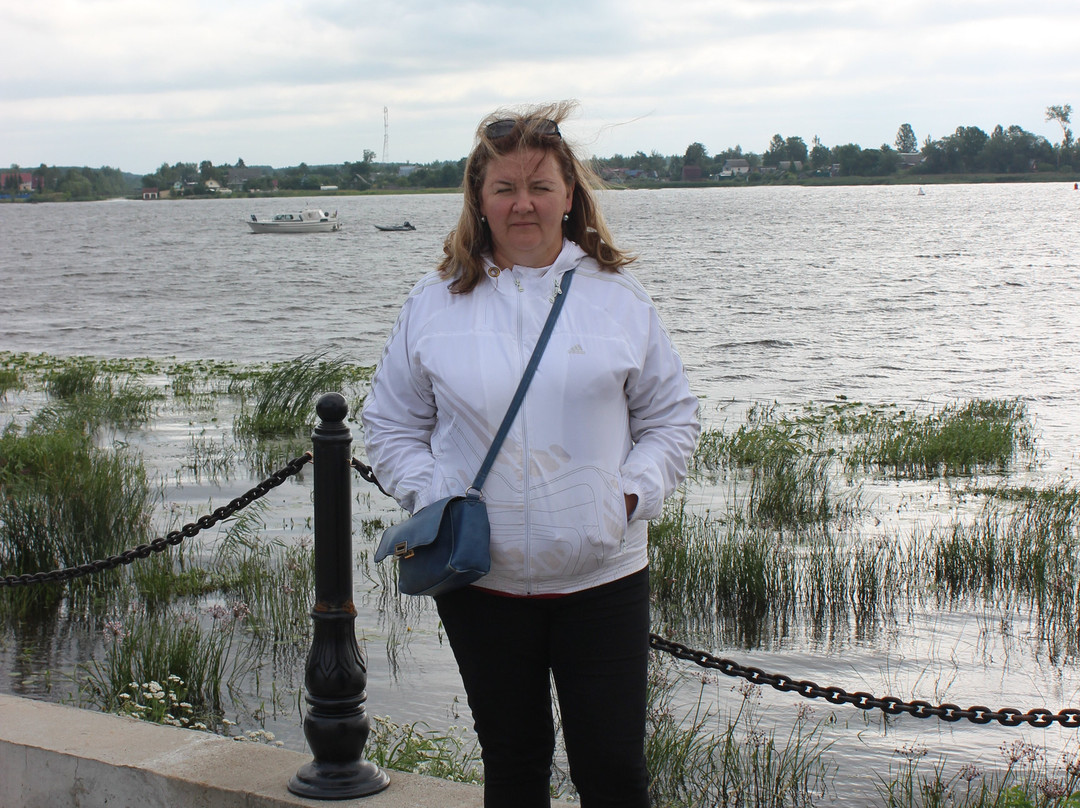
393	228
312	220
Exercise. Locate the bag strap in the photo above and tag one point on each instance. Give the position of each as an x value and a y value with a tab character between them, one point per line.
523	385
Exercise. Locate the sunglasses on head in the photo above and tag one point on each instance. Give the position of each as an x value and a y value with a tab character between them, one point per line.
502	128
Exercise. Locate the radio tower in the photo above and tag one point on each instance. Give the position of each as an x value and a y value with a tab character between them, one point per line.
385	135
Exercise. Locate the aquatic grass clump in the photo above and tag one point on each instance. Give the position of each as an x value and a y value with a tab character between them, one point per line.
10	379
175	573
1029	548
698	759
65	502
953	440
1015	554
790	490
282	399
278	589
765	434
87	397
76	377
211	460
709	575
788	463
194	392
275	582
415	748
732	583
153	647
1025	779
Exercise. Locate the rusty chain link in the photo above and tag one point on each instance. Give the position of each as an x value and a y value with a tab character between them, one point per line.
170	539
368	474
891	705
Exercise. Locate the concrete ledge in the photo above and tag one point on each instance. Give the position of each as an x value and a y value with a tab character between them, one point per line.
53	756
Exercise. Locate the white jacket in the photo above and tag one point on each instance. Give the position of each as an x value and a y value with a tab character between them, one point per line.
609	412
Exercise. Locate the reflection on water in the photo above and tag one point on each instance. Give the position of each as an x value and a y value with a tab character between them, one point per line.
772	294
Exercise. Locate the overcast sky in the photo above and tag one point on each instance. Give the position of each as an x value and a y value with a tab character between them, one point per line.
133	84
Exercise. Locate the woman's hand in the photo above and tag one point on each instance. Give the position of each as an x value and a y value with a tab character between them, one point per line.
631	504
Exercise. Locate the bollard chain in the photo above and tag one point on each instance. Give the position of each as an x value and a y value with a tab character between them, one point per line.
170	539
1008	716
368	473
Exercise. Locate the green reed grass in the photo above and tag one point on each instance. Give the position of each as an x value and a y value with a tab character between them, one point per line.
782	466
766	433
449	755
10	379
953	440
705	573
786	490
698	759
66	502
211	460
1027	547
145	647
172	575
78	377
1024	779
1021	550
730	582
87	396
281	400
274	581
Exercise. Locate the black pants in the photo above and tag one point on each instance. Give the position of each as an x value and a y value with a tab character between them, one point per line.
596	646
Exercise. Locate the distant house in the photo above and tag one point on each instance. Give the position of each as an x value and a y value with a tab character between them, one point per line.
617	174
790	165
212	185
735	167
21	181
404	171
151	193
910	159
690	173
239	177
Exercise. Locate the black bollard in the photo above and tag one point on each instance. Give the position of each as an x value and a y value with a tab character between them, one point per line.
336	725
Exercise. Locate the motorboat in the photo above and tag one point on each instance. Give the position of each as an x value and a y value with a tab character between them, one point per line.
394	227
311	220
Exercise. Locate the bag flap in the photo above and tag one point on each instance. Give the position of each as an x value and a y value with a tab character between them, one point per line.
418	530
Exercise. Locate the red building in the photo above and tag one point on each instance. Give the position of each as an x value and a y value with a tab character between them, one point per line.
19	182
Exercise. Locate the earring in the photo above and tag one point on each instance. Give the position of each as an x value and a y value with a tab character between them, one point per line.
566	217
483	219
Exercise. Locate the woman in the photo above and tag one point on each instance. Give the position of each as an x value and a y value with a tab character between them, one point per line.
602	438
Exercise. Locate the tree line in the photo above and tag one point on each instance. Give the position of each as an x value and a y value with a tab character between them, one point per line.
968	150
71	183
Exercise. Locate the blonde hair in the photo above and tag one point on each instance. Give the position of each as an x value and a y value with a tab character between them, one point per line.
534	127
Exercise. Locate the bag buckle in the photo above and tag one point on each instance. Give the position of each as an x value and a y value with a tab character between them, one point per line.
401	550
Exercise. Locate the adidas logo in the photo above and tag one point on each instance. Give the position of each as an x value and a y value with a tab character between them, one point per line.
577	349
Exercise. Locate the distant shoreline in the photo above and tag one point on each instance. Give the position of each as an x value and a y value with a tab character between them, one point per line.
649	185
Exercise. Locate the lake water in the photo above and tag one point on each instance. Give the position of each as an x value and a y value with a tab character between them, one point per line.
782	294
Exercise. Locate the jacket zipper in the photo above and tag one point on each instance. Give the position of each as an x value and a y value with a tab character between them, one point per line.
524	441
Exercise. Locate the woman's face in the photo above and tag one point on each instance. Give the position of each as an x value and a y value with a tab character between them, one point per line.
524	198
